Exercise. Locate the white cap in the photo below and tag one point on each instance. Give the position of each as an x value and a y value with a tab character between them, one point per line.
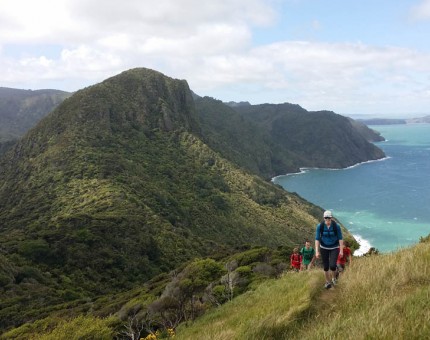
327	213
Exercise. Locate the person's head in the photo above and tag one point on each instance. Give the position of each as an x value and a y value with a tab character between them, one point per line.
307	244
345	243
295	250
327	217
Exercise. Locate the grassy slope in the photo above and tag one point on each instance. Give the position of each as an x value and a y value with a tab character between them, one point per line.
379	297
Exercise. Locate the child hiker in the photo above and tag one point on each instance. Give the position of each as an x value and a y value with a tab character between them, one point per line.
343	260
296	259
308	256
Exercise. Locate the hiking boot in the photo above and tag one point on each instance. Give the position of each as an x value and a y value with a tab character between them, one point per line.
327	285
334	281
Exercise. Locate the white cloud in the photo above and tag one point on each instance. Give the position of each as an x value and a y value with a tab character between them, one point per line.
324	76
117	35
23	21
421	11
89	20
208	43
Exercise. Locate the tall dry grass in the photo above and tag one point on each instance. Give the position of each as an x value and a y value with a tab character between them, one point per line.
256	314
378	297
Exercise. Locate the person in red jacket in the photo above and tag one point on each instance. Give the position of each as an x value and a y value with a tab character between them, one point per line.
344	259
296	259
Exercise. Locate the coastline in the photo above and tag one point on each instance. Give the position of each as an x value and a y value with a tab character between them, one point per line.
384	201
364	244
305	169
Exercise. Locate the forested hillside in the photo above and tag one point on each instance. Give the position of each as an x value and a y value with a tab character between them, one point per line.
20	110
240	132
236	138
271	140
299	138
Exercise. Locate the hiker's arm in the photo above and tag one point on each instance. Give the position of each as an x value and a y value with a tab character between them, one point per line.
313	258
341	248
311	264
317	241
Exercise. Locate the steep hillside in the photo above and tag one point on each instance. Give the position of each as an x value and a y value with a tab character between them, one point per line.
20	110
310	139
270	140
243	141
239	140
116	186
369	134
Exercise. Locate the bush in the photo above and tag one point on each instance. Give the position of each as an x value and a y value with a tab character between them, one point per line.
28	272
35	250
244	271
253	256
82	327
69	295
220	293
5	279
264	269
425	239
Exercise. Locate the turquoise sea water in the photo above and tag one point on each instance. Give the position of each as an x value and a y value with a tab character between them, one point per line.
386	203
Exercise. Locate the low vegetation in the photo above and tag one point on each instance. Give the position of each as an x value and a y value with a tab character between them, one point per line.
378	297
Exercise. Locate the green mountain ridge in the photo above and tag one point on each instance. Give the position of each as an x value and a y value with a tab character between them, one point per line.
321	139
22	109
241	138
116	186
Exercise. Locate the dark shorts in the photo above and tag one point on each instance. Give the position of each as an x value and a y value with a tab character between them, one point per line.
329	258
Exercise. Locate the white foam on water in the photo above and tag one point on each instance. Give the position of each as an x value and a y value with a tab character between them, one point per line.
364	246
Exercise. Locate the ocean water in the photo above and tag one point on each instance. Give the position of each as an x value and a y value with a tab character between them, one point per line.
385	204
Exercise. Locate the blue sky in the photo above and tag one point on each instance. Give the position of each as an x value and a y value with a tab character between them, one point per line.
351	57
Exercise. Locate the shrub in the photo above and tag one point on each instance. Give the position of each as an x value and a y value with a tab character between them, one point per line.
82	327
425	239
35	250
253	256
264	269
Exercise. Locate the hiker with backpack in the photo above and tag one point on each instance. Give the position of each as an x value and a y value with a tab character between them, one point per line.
296	259
328	246
308	256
